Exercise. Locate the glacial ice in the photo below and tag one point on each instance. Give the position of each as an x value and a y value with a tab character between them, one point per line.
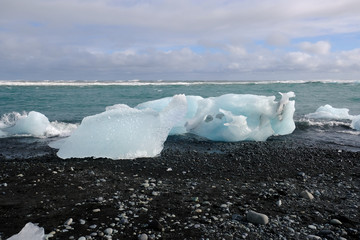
234	117
355	124
29	231
32	124
159	104
329	112
122	132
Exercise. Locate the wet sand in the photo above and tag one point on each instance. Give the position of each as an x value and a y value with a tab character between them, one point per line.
194	190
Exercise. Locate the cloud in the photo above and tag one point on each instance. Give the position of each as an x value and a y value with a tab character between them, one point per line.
320	47
277	39
108	39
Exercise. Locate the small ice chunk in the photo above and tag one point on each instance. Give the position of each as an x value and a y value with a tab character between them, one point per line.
30	231
329	112
355	124
34	124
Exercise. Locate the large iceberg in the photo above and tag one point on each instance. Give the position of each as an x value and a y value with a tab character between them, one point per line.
122	132
234	117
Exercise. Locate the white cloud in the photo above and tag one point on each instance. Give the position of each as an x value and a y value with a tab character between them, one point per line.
320	47
124	39
277	39
236	50
349	60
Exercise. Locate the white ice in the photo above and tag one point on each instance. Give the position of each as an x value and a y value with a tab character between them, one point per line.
29	232
32	124
122	132
355	124
234	117
329	112
160	104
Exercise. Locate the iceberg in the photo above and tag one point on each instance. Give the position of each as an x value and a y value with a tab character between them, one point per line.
33	124
122	132
159	104
355	124
234	117
239	117
329	112
29	231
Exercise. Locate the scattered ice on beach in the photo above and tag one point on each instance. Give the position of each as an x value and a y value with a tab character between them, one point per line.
329	112
32	124
122	132
30	231
355	124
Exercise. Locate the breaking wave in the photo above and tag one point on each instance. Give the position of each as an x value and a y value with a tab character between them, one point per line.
163	82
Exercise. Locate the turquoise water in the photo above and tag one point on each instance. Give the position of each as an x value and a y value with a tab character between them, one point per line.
71	102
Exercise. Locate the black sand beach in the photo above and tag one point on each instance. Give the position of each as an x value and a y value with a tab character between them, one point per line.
194	190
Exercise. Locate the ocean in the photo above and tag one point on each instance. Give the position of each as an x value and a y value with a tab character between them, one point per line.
68	102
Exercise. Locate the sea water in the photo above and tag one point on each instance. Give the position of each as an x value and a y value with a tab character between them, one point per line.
67	103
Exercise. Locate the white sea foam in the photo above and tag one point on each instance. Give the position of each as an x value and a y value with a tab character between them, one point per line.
325	122
357	133
162	83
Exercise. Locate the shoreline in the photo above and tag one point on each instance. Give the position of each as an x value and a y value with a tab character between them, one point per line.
194	190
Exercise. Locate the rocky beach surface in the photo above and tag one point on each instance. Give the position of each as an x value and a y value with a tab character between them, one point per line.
196	189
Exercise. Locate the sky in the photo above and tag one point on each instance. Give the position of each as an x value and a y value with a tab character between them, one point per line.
179	40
